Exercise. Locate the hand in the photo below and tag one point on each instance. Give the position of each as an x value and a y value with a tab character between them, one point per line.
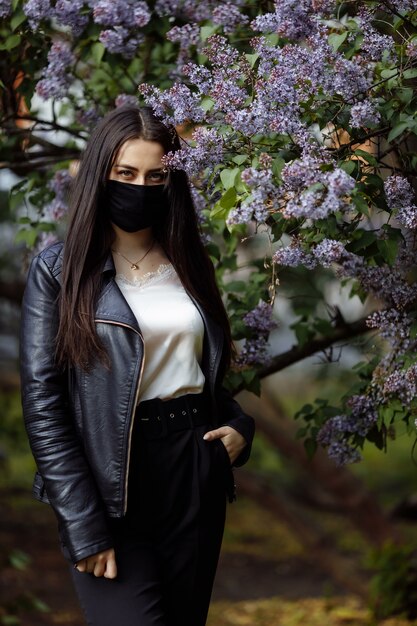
233	441
100	564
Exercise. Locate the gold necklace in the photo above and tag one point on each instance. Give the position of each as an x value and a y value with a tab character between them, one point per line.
135	266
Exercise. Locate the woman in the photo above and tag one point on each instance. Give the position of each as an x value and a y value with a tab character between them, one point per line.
124	344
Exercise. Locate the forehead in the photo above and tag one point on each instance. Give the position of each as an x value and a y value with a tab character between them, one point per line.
140	154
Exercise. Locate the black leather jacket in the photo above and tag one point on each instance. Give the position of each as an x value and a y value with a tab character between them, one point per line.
79	423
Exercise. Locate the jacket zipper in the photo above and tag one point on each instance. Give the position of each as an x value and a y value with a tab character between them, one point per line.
132	417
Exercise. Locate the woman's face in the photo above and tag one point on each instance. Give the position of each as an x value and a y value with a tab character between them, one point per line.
139	162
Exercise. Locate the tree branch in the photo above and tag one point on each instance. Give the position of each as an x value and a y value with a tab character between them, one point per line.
298	353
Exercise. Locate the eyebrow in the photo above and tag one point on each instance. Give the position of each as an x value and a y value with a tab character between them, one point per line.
131	167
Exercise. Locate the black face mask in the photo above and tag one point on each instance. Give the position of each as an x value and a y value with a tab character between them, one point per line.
135	207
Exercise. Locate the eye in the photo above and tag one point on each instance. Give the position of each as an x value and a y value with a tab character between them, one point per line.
125	173
156	177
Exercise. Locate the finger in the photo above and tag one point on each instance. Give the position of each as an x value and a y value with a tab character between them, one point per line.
99	567
80	566
217	433
91	562
111	568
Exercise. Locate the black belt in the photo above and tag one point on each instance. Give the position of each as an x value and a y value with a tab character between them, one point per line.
156	418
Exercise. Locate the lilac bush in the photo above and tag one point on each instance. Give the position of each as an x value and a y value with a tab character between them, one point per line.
297	122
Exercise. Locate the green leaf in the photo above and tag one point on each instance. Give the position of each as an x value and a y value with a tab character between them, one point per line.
410	73
397	130
228	177
336	40
310	446
277	166
363	239
369	158
252	58
19	559
389	249
97	51
28	236
206	104
239	159
17	19
348	166
207	31
228	200
11	42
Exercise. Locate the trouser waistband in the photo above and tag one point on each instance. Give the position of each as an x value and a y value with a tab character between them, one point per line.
156	418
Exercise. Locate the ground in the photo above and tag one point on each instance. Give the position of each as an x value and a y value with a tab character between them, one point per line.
284	588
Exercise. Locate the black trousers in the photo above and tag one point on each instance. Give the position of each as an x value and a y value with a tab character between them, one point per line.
167	546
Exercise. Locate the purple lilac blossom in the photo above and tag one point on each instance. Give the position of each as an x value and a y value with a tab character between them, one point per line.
206	153
403	384
364	114
392	326
374	44
229	16
36	11
175	105
254	352
119	41
68	12
88	117
329	251
407	216
343	454
259	203
125	99
398	192
293	19
412	49
187	35
260	318
59	184
294	256
5	8
56	80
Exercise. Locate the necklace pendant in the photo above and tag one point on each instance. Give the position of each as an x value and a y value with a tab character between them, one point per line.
134	266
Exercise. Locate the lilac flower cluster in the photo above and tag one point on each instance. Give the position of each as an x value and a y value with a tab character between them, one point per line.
191	11
118	40
37	10
294	256
374	44
392	326
56	79
59	184
229	16
402	384
364	114
206	152
187	35
329	251
125	99
260	318
175	105
88	117
259	203
313	192
254	352
127	13
68	13
292	19
5	8
255	349
400	195
398	192
335	432
411	49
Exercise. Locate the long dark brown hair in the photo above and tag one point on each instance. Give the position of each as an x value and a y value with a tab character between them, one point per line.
90	235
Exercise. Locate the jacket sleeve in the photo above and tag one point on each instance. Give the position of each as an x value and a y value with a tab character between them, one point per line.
53	438
233	415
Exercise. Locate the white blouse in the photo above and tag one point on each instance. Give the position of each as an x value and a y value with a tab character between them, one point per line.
173	333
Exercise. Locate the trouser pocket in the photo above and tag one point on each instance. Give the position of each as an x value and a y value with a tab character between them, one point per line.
226	469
